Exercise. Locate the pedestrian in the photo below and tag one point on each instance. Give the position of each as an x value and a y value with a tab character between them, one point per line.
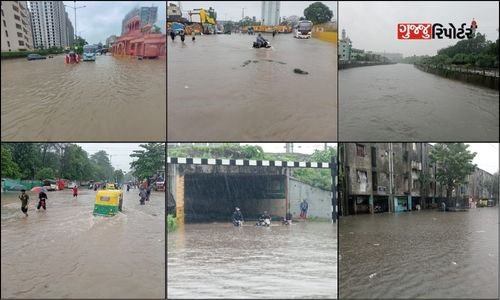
143	196
75	191
304	206
42	200
128	187
24	202
148	192
172	35
274	33
183	35
95	186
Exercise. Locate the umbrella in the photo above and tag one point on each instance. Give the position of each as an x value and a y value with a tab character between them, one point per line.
38	189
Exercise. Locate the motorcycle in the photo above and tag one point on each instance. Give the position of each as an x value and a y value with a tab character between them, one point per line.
264	222
259	45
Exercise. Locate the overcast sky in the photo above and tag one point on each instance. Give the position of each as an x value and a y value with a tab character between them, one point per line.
119	152
100	19
487	156
305	148
373	25
231	10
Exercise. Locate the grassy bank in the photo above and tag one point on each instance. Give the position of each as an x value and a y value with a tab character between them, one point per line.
171	223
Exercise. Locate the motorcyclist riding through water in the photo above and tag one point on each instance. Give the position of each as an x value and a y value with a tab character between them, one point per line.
260	42
237	217
264	219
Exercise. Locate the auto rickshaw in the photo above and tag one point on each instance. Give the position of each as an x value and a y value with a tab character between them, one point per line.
108	202
483	202
110	186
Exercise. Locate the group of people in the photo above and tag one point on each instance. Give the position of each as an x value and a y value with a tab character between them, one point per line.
42	199
237	216
182	35
145	192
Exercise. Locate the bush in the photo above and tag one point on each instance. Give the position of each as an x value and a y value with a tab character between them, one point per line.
20	54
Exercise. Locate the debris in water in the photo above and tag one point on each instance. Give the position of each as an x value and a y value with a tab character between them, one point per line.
255	61
372	275
299	71
245	63
186	86
453	262
376	244
281	62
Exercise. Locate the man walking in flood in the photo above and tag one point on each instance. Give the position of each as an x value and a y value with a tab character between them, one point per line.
304	206
42	200
24	202
75	191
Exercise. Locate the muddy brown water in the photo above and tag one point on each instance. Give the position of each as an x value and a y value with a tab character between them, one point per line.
111	99
426	254
220	88
66	252
401	103
218	260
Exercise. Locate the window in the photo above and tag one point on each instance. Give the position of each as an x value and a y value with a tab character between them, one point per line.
360	150
17	17
18	26
414	146
414	184
19	34
21	43
362	180
6	33
8	44
374	157
15	8
4	24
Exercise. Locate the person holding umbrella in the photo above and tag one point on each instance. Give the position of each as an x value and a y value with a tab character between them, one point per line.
42	199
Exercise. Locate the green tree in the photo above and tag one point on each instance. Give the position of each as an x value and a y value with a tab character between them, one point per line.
45	173
149	161
27	157
119	176
9	168
103	170
454	164
75	164
318	13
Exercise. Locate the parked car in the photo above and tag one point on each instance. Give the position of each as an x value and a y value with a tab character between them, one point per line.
50	185
71	185
35	56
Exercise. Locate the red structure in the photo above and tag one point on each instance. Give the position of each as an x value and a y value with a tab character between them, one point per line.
139	41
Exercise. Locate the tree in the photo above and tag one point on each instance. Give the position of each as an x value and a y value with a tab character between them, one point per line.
27	157
9	168
75	164
45	173
103	170
318	13
454	164
149	161
119	176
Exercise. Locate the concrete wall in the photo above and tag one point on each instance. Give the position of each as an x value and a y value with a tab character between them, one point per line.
478	79
320	201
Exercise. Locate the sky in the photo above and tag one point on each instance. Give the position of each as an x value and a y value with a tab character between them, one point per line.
372	26
119	152
231	10
100	19
304	148
487	156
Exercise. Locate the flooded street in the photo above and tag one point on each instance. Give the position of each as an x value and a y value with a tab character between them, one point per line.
111	99
223	261
399	102
220	88
66	252
426	254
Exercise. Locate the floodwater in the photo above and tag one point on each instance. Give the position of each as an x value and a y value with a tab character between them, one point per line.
401	103
220	88
426	254
223	261
111	99
66	252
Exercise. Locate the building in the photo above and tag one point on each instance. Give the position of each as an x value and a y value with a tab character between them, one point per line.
394	57
50	24
270	13
147	15
345	46
395	177
137	38
173	10
16	26
110	40
70	32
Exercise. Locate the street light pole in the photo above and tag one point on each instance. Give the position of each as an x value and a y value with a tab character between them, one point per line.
75	8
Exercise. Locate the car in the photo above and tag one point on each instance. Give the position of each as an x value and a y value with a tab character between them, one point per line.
35	56
50	185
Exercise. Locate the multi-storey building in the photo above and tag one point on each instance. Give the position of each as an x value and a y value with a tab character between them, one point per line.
270	13
393	177
50	24
16	26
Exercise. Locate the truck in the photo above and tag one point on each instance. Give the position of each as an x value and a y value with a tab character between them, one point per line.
303	29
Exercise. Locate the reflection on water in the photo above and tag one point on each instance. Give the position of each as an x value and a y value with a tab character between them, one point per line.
427	254
220	88
220	260
399	102
66	252
106	100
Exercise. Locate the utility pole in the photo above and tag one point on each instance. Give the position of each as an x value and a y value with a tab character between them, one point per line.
391	174
75	8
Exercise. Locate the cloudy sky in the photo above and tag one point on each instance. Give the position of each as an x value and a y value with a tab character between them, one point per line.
119	152
372	25
100	19
231	10
487	156
305	148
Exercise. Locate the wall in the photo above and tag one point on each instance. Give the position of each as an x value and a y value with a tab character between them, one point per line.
320	201
478	79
